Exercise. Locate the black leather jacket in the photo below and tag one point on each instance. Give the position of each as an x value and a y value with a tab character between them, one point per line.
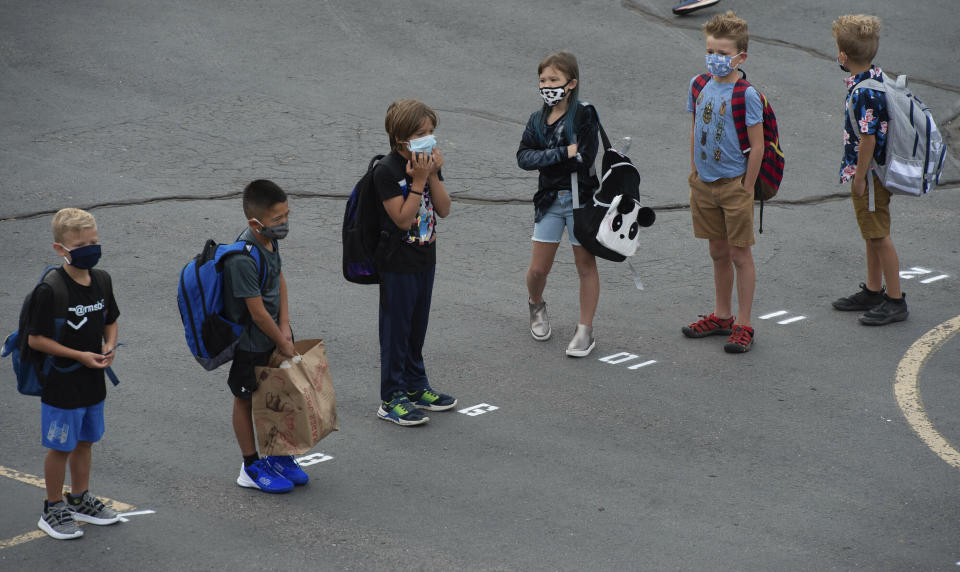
550	157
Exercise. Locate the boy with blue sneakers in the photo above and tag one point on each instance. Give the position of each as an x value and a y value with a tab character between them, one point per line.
82	346
410	187
257	298
858	37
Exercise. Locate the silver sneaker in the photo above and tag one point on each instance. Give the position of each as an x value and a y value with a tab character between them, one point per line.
539	323
582	343
91	509
57	521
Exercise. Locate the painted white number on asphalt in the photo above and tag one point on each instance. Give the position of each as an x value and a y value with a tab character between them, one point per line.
916	272
313	459
622	357
479	409
779	313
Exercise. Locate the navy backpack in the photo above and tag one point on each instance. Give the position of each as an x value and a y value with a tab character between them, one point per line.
361	230
212	338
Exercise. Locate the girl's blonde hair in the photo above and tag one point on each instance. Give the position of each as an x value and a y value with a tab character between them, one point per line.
858	36
71	220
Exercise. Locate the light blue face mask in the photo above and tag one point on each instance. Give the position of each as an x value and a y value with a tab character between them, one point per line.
423	144
719	64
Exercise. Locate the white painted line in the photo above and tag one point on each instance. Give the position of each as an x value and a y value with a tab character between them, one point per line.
646	363
123	515
478	409
913	272
935	278
792	320
313	459
773	315
618	358
138	512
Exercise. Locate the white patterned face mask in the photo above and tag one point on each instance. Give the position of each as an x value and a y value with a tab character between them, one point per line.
554	95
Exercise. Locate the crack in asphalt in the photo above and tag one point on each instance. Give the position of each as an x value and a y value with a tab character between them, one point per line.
460	198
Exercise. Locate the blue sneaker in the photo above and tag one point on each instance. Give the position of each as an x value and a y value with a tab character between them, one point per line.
289	468
260	475
431	400
688	6
400	411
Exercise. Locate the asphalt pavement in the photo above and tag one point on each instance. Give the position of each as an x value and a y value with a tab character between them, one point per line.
654	453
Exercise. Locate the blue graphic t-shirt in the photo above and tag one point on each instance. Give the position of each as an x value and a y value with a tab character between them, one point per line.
870	109
716	147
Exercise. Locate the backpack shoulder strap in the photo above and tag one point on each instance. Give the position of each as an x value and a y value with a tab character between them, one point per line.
51	277
699	83
738	107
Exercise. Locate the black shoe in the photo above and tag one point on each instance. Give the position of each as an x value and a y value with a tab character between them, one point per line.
863	300
888	311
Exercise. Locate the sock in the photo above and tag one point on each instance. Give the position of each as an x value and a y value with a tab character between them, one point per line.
250	459
869	291
74	500
47	504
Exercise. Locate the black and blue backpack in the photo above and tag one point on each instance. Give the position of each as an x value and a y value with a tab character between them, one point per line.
361	230
28	365
212	337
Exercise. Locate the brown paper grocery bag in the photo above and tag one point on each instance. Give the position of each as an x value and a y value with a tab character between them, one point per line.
294	407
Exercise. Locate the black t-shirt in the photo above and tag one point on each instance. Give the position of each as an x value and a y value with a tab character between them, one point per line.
88	310
413	250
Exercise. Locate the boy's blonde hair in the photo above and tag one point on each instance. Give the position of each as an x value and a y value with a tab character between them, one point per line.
858	36
404	117
71	220
728	26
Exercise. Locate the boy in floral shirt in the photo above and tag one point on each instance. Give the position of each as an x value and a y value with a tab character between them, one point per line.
857	38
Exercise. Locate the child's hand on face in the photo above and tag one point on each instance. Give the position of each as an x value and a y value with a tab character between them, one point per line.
437	158
419	167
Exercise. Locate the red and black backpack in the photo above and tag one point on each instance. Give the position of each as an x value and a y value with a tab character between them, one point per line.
771	168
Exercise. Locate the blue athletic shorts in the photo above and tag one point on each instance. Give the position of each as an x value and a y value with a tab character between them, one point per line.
560	214
62	428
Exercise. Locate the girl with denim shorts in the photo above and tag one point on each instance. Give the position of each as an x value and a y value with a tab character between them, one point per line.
560	139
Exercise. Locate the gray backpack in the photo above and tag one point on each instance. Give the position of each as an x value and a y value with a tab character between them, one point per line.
914	147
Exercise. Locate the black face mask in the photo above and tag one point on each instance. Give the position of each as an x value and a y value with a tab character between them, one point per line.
842	66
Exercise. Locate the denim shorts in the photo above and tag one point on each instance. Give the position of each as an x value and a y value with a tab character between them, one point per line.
62	428
560	214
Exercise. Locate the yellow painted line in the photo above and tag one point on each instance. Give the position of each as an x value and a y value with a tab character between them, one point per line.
22	538
38	482
906	388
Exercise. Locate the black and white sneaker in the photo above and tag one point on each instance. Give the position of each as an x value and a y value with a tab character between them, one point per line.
57	521
88	508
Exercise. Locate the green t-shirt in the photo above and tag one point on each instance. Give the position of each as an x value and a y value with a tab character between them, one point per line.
242	281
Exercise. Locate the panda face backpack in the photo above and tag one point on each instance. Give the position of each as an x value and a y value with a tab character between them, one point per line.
608	226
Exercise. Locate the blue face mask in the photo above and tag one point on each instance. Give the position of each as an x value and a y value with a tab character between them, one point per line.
842	66
85	257
719	64
423	144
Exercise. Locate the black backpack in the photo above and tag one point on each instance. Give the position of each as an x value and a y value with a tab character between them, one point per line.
361	230
30	366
